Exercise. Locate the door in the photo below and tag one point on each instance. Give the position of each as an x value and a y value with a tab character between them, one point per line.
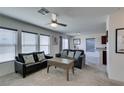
92	56
90	45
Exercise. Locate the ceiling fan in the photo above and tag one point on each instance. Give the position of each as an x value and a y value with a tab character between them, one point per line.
54	22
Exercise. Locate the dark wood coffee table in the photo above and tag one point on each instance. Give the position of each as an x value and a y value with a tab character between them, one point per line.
61	63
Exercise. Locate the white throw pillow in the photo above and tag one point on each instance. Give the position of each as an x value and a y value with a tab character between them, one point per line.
71	54
28	59
41	56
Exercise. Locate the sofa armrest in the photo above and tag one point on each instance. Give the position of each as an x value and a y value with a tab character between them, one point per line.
80	62
82	59
58	55
20	68
48	57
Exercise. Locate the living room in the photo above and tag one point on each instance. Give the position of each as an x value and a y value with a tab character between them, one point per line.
53	29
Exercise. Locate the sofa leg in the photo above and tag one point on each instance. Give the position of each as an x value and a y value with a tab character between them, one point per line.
23	76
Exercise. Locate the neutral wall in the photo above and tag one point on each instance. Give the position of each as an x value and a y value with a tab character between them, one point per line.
115	65
6	68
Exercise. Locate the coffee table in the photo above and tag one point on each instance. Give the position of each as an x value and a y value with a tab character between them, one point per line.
61	63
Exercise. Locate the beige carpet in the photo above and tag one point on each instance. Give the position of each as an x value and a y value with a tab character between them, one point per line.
92	75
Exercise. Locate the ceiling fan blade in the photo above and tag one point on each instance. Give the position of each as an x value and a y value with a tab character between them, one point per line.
54	17
62	24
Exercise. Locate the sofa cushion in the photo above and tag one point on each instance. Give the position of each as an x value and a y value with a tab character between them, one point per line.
41	56
64	54
44	60
71	54
28	59
30	64
36	63
77	54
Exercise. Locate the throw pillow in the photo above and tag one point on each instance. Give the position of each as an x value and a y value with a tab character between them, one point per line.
28	59
64	54
41	56
77	54
71	54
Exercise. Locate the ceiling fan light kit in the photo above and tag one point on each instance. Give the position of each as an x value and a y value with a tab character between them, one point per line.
53	25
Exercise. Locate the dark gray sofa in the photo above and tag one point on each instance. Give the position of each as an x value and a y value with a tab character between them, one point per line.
24	69
79	59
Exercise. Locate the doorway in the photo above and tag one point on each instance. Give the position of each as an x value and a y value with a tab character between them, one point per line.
90	45
92	55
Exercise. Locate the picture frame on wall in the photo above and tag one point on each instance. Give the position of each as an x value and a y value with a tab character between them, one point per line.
119	40
77	41
55	40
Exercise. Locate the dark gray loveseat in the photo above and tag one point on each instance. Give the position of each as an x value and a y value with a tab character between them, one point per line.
77	55
24	69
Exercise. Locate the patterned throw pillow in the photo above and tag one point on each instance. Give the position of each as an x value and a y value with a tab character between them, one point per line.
28	59
71	54
64	54
77	54
41	56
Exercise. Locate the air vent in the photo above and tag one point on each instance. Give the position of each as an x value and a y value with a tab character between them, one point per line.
43	11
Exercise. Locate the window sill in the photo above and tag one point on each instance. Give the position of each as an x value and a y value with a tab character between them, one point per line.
7	61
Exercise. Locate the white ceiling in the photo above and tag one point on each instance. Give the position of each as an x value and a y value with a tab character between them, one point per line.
78	19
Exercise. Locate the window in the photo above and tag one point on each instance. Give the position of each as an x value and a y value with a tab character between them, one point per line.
64	43
7	44
45	44
29	42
